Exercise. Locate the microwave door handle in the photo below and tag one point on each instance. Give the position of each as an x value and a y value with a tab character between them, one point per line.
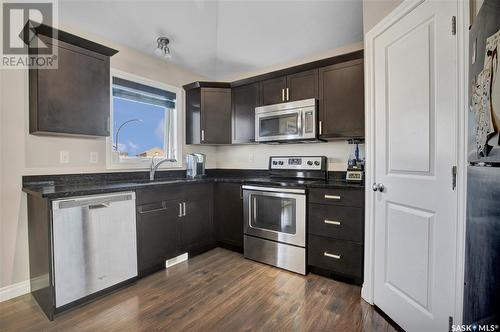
300	124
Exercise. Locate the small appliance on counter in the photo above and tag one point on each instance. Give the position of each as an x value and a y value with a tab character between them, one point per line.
195	165
355	165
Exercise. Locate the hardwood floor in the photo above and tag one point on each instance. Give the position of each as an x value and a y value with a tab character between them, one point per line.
216	291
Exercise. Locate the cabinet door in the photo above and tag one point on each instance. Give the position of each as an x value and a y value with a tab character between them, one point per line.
273	90
193	115
74	99
196	226
341	100
245	99
228	214
157	234
215	116
303	85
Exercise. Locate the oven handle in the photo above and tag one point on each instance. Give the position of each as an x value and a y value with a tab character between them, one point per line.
276	190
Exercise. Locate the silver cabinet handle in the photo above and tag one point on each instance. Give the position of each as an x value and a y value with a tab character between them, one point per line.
183	209
153	210
202	134
282	94
320	125
180	210
332	197
332	222
327	254
287	94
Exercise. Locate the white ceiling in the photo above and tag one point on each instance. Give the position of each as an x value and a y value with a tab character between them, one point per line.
222	38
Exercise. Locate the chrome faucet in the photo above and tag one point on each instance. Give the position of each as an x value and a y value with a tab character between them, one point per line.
154	166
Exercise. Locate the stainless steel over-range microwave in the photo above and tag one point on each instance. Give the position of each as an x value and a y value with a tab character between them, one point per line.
294	121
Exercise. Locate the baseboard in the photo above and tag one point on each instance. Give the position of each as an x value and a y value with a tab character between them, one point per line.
14	290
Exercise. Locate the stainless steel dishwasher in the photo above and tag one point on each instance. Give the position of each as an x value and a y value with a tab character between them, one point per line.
94	244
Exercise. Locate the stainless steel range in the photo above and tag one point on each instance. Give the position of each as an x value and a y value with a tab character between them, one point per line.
275	215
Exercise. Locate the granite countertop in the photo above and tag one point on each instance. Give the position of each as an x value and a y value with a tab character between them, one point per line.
54	186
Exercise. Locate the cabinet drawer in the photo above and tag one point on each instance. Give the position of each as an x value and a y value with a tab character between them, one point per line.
339	222
345	197
193	191
339	256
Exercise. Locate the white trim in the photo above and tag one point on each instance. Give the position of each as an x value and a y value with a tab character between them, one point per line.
403	9
14	290
143	163
463	21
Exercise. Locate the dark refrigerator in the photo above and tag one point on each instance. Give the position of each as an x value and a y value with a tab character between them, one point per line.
482	259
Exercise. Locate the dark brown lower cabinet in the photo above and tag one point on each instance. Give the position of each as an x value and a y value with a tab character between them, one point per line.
344	258
196	226
157	234
180	221
228	215
335	233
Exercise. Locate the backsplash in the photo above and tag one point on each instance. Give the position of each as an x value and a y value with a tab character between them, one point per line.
257	156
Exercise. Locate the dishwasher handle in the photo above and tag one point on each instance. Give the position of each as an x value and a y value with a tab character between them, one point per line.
99	206
93	202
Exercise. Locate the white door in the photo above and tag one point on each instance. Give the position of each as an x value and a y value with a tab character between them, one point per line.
415	65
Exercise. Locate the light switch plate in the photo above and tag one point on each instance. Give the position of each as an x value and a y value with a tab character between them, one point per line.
64	157
94	157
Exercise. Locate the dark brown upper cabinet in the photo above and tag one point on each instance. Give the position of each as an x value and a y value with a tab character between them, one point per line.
298	86
208	113
273	91
336	81
245	98
74	98
303	85
341	100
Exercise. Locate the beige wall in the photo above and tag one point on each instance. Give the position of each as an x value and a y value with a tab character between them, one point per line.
23	154
375	10
257	156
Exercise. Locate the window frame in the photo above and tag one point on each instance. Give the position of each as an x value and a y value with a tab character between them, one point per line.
112	162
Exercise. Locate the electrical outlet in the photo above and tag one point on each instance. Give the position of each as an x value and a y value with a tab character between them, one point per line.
64	157
250	158
94	157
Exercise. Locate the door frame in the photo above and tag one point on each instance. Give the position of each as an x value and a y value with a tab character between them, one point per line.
462	32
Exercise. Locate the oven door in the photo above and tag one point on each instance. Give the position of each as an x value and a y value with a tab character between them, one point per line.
277	214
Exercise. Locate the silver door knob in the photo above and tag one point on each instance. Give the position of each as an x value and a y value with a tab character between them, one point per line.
378	186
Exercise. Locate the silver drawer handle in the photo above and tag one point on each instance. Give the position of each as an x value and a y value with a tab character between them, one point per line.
152	210
332	197
332	222
331	255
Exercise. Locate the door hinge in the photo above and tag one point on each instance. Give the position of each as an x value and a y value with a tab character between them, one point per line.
453	177
453	25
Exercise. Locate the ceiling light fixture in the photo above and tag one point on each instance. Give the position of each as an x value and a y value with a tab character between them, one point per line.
162	48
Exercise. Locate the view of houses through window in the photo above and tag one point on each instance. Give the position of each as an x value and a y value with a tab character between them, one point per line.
143	123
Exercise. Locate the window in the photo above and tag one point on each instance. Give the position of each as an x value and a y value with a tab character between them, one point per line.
144	122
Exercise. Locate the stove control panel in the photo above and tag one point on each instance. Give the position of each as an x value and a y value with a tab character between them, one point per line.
297	163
